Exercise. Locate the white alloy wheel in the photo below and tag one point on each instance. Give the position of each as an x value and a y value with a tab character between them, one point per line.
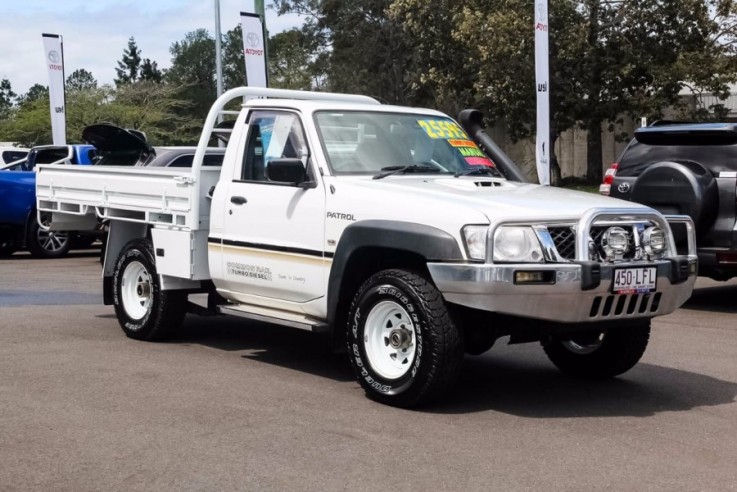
584	347
136	290
389	340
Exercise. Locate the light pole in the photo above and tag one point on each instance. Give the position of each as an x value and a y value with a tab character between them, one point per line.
218	50
259	7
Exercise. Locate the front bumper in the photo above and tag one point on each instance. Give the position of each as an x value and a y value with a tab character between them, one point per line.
571	297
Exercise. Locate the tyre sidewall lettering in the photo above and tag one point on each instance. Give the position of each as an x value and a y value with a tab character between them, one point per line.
371	297
124	260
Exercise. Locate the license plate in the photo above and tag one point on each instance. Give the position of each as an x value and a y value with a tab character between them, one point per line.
634	280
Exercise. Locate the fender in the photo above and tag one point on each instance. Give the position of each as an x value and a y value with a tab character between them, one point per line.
429	242
119	235
27	226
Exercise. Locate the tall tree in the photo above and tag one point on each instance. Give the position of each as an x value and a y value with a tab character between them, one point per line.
35	92
233	61
361	48
441	71
7	96
160	110
193	68
292	63
129	65
150	71
28	124
81	79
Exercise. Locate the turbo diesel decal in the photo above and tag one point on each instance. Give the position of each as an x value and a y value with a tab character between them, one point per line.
250	271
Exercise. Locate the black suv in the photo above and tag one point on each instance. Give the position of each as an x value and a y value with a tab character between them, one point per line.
686	169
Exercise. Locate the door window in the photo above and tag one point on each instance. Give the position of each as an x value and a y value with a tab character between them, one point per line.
272	135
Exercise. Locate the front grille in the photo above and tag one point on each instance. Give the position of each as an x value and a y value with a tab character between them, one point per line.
564	238
613	306
565	241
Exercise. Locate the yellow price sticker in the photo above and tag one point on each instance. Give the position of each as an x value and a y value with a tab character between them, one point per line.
442	129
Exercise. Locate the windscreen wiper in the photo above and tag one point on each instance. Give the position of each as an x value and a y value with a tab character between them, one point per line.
478	170
412	168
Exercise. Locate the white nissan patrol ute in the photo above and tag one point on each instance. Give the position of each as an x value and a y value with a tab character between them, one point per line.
394	229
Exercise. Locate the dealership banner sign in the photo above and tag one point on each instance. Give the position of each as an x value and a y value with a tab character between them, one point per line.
542	76
54	55
254	50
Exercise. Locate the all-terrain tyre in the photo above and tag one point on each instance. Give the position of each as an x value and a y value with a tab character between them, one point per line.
43	243
600	355
144	311
403	346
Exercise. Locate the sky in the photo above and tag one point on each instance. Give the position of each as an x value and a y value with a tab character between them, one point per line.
95	32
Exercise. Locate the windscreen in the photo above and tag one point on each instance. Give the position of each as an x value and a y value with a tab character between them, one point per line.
369	142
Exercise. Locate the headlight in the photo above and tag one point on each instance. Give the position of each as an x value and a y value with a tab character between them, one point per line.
475	239
517	244
653	239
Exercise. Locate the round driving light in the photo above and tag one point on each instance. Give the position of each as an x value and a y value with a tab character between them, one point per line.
615	241
653	239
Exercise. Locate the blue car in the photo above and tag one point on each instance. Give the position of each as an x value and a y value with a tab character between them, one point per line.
19	222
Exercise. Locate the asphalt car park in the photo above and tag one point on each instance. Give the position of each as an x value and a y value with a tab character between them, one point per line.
233	404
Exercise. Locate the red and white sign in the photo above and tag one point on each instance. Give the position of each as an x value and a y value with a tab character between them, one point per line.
54	57
254	50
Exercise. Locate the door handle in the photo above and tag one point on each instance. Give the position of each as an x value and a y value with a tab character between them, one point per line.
238	200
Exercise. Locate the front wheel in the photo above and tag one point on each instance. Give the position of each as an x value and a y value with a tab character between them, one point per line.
403	345
43	243
599	355
144	311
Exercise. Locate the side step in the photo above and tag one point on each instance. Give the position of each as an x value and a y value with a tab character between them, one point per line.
284	318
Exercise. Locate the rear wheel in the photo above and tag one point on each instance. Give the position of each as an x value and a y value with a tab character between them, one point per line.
144	311
43	243
403	345
599	355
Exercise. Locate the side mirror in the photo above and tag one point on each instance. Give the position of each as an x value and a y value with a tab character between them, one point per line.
286	170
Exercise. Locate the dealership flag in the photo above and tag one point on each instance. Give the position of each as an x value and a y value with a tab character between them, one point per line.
54	55
254	50
542	154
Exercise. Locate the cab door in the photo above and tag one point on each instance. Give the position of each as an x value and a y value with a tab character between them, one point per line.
273	233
